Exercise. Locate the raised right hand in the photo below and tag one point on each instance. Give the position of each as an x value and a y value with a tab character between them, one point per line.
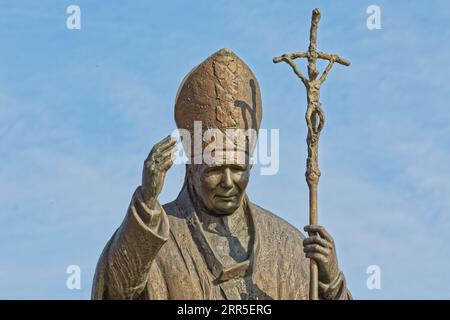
156	165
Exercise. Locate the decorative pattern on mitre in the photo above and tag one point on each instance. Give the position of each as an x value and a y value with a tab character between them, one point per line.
221	92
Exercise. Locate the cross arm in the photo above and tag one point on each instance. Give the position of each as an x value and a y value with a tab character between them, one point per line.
335	57
291	56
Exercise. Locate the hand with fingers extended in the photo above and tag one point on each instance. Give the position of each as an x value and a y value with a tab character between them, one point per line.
320	247
156	165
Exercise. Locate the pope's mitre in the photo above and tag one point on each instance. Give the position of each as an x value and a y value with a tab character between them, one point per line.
221	92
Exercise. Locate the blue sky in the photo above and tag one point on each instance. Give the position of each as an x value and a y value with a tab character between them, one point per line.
80	110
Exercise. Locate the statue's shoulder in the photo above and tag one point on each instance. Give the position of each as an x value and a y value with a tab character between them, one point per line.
178	209
273	223
173	209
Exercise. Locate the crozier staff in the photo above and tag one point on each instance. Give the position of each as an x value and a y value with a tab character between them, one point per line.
315	120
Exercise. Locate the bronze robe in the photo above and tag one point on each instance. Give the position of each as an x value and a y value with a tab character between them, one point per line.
173	260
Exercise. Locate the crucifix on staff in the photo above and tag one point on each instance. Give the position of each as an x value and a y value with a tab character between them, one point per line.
315	120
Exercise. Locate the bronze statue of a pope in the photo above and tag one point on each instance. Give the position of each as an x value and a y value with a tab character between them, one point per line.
212	242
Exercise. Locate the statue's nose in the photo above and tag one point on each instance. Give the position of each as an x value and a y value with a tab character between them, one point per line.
227	182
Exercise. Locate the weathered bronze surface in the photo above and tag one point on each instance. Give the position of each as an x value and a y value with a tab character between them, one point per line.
212	242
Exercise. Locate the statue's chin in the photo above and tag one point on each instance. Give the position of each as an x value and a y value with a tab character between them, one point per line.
224	209
220	205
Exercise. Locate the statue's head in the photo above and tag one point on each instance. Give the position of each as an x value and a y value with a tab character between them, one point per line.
218	112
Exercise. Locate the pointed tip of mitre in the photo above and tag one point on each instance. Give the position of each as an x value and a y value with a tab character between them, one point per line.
224	52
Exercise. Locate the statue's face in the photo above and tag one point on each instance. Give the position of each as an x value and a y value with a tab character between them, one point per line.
220	188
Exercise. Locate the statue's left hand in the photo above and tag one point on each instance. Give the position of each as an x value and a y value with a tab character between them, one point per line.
320	247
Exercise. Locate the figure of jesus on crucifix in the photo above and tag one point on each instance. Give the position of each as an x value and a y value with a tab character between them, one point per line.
315	120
